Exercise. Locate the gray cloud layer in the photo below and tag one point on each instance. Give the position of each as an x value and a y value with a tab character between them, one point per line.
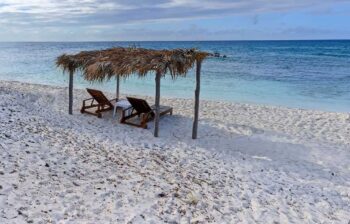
98	12
134	19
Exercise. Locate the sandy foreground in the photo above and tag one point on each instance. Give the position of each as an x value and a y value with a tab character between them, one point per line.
251	164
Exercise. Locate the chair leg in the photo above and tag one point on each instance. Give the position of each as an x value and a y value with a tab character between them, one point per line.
82	110
99	115
114	111
143	123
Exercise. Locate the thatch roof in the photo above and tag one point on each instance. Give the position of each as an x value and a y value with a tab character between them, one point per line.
105	64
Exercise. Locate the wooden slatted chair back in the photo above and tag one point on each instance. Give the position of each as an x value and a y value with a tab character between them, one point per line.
99	97
140	105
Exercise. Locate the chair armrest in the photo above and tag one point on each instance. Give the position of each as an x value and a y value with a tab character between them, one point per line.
92	101
88	99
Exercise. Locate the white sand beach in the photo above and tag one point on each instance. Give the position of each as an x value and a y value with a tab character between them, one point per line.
250	164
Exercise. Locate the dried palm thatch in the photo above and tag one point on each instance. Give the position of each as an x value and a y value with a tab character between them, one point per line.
105	64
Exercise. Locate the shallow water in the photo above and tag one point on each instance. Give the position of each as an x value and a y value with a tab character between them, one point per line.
302	74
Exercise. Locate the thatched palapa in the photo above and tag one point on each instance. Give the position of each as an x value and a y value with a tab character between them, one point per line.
122	62
105	64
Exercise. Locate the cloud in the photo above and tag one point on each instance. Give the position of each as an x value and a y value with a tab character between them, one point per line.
100	12
162	19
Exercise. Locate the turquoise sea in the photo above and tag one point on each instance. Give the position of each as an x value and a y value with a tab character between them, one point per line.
301	74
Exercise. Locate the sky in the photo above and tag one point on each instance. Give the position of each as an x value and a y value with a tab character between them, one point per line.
168	20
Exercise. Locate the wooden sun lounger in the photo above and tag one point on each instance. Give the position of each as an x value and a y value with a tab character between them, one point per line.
142	109
99	101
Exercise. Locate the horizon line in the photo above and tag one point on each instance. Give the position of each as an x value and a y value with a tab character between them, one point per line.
87	41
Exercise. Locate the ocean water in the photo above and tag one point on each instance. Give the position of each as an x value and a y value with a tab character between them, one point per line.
299	74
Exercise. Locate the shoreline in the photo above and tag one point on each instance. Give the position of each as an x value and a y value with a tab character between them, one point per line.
189	98
250	163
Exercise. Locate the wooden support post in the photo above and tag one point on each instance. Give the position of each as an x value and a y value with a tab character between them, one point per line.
70	109
156	119
196	100
117	90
